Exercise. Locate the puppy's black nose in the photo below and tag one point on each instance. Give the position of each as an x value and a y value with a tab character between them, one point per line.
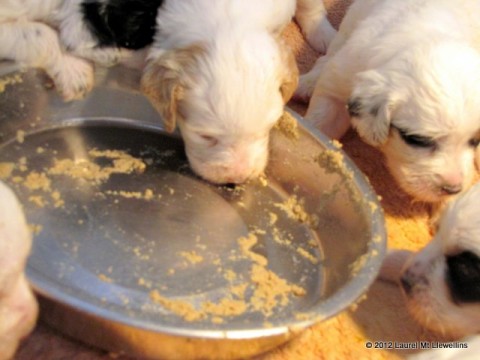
407	283
451	189
353	107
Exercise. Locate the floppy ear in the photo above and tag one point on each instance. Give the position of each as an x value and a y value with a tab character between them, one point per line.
370	106
165	79
289	71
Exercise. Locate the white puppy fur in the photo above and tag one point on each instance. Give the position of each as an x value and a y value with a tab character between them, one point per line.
217	69
18	307
410	73
442	281
225	77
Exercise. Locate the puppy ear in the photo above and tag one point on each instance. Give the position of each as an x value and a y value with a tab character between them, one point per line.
165	79
289	71
370	106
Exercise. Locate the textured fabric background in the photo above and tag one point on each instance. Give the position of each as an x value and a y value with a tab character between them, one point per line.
380	317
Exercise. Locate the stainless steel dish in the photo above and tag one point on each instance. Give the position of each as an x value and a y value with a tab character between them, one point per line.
151	261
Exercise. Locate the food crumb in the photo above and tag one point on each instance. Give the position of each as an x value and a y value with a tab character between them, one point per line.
37	181
294	208
263	180
337	144
105	278
271	290
37	200
313	259
192	257
6	169
9	80
35	229
287	124
20	136
246	245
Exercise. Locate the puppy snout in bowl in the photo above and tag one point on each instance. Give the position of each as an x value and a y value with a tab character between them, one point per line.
232	164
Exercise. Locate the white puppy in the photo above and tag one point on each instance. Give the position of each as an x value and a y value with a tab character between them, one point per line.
410	73
217	69
18	308
221	72
442	281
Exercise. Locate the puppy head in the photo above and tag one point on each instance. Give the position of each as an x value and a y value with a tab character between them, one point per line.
422	110
225	97
442	282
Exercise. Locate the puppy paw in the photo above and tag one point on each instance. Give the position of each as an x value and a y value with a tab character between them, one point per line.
104	56
312	17
74	79
306	85
320	36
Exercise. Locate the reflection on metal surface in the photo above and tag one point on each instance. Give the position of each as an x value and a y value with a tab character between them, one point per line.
108	247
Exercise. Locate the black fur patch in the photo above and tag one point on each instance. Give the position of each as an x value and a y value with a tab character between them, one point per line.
122	23
354	106
463	277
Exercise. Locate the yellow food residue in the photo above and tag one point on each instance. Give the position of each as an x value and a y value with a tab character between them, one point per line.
122	163
287	124
6	169
9	80
267	291
192	257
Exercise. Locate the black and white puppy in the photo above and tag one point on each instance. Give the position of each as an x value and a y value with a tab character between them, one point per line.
63	37
219	70
442	281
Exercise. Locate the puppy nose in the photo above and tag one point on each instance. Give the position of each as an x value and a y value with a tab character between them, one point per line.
451	189
407	283
235	179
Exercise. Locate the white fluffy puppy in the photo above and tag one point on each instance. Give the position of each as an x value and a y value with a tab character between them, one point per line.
18	308
221	72
442	281
410	73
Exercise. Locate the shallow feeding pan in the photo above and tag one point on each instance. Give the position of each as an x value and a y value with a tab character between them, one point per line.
135	254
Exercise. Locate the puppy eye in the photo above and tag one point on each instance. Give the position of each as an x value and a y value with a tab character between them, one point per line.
416	140
210	140
474	142
354	107
463	276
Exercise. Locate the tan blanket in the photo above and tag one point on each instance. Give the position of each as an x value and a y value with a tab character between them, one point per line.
382	317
